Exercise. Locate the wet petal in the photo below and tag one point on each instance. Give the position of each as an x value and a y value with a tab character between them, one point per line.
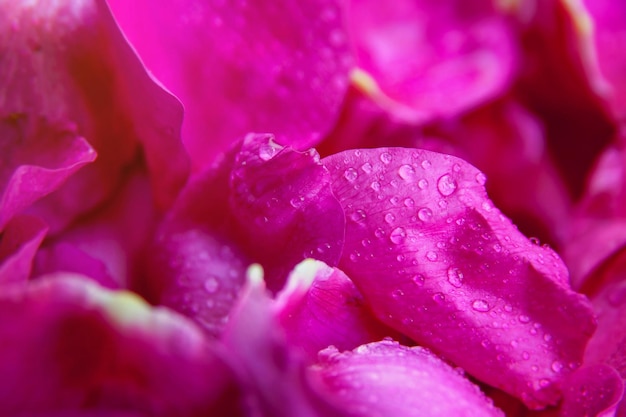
68	344
18	244
320	307
592	391
68	64
274	374
388	379
466	52
283	198
278	67
458	276
36	158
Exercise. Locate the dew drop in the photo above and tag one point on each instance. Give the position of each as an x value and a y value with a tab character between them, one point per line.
354	256
425	214
379	233
385	157
524	318
446	185
358	215
431	256
481	178
455	277
418	280
557	366
398	235
375	186
423	183
406	172
211	285
267	151
390	218
397	293
497	248
394	200
456	167
350	174
525	355
426	164
408	202
367	167
296	202
480	305
439	298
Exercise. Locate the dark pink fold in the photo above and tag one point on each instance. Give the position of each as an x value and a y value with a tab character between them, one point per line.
437	261
67	344
319	307
279	67
388	379
19	243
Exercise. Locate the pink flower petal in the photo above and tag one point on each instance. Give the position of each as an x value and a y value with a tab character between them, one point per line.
320	307
275	376
283	198
458	276
388	379
278	67
18	244
592	391
68	64
68	344
36	158
466	52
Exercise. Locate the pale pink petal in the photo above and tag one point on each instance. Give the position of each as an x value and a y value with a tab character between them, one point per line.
68	344
437	261
320	307
435	58
283	198
278	67
592	391
18	245
387	379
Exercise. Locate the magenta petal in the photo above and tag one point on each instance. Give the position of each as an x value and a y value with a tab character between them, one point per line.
36	157
277	67
197	273
388	379
283	199
320	307
274	375
466	52
436	261
592	391
68	344
18	244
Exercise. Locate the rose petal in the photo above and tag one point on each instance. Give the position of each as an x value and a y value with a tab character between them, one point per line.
466	52
592	391
388	379
67	344
274	374
36	158
278	67
67	63
320	307
283	198
18	244
458	276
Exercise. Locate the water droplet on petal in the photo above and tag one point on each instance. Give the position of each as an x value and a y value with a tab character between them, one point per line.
211	285
367	167
379	233
390	218
406	172
398	235
385	157
397	293
418	279
296	202
439	298
426	164
446	185
455	277
350	174
423	183
431	256
408	202
481	178
456	167
358	215
425	214
523	318
480	305
267	151
375	186
557	366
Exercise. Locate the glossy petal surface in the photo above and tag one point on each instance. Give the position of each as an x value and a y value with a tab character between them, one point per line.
18	244
446	268
277	67
388	379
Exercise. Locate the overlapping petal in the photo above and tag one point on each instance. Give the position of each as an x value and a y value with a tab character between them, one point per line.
67	64
388	379
239	67
283	198
68	345
18	244
435	260
434	58
319	307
